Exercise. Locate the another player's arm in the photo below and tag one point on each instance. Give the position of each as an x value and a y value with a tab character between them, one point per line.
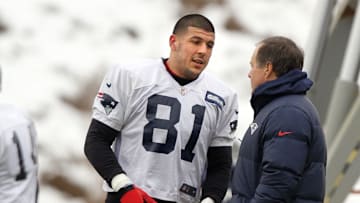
218	173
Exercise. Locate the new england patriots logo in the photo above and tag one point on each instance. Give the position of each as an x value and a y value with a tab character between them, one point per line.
107	102
253	128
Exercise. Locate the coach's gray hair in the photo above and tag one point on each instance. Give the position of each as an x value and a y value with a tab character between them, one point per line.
282	52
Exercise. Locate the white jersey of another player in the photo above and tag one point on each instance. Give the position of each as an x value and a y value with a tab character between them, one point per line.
18	164
166	128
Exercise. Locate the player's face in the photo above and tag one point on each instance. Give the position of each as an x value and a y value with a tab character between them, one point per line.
191	51
257	74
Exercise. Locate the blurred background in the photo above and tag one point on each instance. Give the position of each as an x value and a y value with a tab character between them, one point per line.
54	54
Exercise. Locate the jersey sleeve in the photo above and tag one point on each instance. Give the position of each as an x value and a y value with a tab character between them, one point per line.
110	101
227	123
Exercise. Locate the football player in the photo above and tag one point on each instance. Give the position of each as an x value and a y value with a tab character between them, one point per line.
18	156
162	129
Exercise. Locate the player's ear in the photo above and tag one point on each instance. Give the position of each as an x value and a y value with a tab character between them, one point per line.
172	42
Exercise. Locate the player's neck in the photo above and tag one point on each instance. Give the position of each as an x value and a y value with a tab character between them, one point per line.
181	81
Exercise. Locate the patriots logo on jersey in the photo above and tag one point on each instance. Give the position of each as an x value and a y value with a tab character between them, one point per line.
214	99
107	102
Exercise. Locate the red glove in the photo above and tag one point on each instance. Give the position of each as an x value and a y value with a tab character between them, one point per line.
134	194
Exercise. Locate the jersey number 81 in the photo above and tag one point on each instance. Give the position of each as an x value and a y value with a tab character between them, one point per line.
169	125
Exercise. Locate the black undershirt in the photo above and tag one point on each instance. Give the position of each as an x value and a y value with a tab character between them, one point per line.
181	81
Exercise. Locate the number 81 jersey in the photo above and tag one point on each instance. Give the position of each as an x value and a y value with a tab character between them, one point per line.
165	128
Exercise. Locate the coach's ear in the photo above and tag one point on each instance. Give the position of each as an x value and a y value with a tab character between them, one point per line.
269	71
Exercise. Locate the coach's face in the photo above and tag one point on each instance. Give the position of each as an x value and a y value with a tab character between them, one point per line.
191	51
259	73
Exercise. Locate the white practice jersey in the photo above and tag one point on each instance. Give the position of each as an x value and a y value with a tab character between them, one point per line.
18	164
166	128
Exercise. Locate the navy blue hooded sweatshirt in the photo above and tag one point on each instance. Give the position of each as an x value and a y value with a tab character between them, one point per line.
282	157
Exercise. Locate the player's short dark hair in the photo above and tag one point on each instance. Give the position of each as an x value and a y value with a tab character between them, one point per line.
193	20
282	52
